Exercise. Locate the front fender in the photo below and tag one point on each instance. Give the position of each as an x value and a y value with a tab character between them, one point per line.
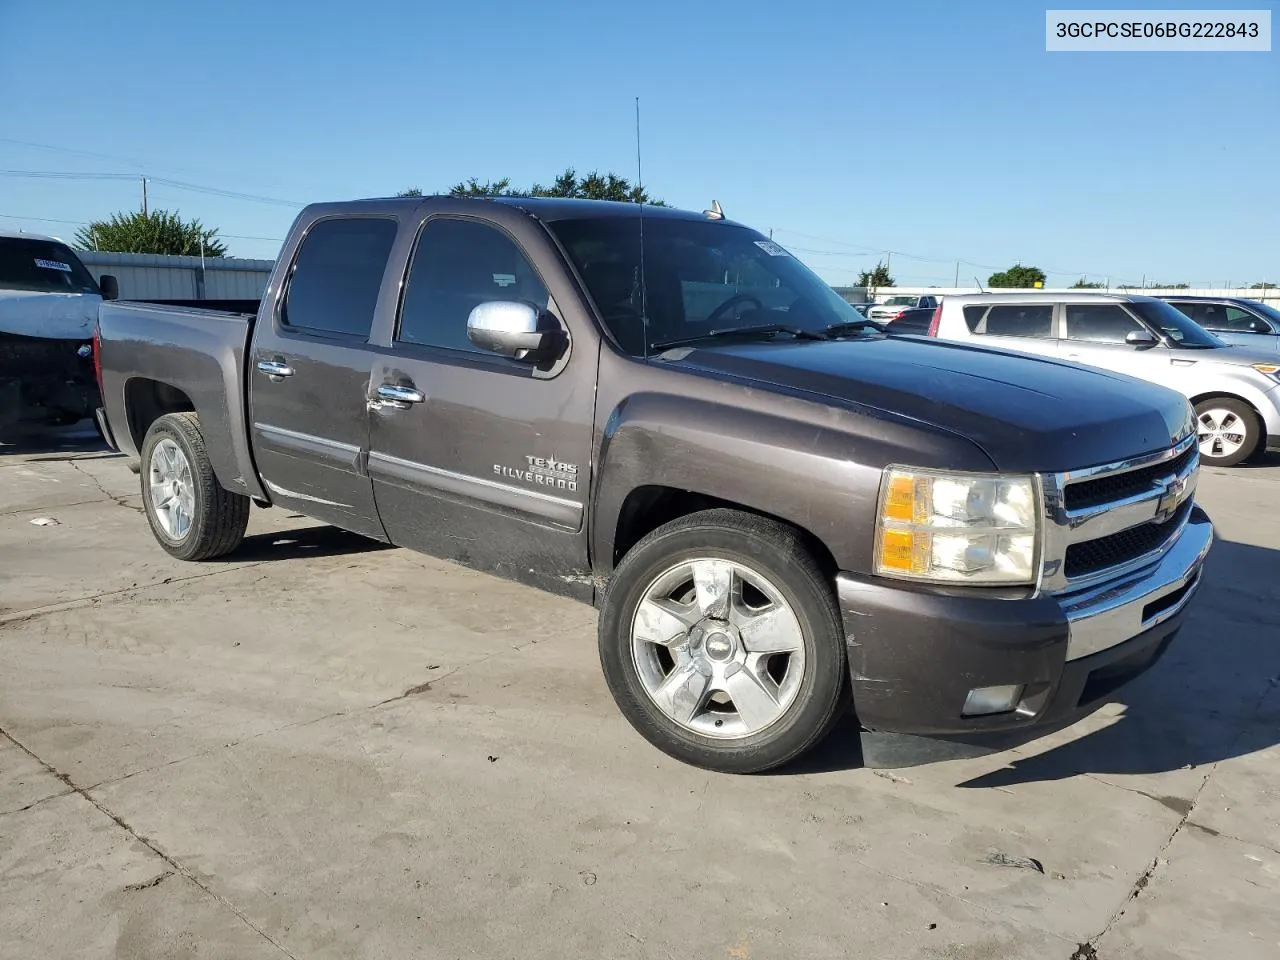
821	475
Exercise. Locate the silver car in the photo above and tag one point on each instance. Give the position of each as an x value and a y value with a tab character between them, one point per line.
1236	321
894	305
1235	390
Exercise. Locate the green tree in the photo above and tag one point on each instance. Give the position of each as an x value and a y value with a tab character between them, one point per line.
1017	276
879	277
411	192
156	232
1264	285
490	188
594	186
1083	284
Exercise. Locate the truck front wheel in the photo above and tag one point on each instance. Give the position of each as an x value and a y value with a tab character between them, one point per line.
191	515
722	644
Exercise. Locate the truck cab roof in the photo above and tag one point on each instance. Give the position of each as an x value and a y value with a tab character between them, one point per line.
549	209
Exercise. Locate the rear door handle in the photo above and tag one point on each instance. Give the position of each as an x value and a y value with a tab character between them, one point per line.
399	398
275	369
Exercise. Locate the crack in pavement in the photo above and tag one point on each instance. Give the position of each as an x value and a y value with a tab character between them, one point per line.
48	508
117	500
148	843
36	803
1185	820
21	616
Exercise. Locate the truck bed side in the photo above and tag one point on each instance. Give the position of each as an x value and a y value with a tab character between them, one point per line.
164	359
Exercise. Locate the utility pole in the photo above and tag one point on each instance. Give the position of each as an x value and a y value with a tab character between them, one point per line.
957	283
144	197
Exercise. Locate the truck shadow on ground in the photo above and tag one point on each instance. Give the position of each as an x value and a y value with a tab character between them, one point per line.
77	438
1215	694
308	542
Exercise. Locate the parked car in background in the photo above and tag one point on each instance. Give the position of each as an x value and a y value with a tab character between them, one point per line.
894	304
1235	320
48	308
773	505
912	320
1235	391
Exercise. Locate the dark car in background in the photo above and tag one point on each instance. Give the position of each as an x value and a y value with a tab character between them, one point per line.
914	321
1238	321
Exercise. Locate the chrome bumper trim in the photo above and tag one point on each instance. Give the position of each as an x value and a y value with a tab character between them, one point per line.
1108	615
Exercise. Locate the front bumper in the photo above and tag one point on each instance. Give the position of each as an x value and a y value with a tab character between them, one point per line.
914	653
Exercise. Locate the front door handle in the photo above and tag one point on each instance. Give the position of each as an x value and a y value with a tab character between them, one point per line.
277	370
397	397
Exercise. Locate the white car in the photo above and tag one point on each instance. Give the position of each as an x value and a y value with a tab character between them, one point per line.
1235	390
894	305
48	308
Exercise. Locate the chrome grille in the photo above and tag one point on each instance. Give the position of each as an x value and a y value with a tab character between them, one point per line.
1104	521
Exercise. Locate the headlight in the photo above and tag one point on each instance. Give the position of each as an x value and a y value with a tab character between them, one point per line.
958	528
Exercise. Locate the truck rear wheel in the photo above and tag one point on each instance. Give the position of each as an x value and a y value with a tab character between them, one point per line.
191	515
722	644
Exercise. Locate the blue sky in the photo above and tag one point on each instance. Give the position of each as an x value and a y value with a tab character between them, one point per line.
940	130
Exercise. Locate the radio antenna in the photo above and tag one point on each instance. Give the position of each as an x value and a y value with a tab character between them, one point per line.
644	305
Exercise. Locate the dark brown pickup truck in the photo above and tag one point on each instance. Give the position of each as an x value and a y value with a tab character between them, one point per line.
779	510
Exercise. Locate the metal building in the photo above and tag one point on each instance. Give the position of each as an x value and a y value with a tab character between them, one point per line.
151	276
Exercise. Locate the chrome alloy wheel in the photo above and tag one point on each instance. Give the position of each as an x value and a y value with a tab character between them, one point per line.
172	489
717	648
1221	432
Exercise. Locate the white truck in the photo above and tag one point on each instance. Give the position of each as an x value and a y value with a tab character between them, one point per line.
48	310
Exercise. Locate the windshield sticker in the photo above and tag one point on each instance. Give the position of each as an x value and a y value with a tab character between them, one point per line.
53	265
771	248
504	279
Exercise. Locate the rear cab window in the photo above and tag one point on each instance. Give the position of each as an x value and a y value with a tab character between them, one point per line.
337	273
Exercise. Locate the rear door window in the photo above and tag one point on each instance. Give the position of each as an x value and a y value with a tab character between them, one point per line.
1242	321
337	273
1100	323
1018	320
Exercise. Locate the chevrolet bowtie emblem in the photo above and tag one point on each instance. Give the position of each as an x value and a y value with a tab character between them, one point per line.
1172	492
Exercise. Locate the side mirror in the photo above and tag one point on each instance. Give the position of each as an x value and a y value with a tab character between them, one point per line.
517	330
109	286
1259	326
1139	338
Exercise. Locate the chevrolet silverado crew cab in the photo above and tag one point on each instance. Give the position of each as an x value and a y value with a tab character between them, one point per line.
779	510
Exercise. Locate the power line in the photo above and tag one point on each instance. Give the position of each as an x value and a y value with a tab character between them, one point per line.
135	161
177	184
85	223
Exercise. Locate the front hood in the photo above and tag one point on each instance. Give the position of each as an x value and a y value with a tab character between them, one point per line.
1027	413
1240	354
57	316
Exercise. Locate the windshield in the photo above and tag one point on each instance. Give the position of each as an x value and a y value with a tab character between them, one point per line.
699	277
900	302
1268	311
43	266
1177	327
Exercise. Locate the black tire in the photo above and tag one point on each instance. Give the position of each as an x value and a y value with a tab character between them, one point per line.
219	517
775	551
1248	423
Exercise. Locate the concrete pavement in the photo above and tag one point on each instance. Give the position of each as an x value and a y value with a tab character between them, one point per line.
325	748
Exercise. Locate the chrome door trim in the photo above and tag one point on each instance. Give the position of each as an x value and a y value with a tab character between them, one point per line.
532	504
294	442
